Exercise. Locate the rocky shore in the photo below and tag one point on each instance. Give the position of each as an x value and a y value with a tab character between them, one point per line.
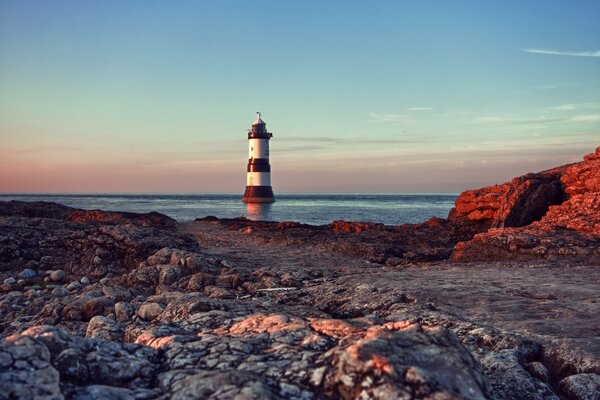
499	301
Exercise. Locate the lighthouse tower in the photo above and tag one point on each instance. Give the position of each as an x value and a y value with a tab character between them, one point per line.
258	178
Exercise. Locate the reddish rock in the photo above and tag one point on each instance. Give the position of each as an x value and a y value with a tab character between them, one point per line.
570	229
516	203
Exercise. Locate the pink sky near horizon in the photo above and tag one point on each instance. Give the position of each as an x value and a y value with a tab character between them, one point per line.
37	172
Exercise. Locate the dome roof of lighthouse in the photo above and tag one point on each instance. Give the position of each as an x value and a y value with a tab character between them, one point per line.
258	121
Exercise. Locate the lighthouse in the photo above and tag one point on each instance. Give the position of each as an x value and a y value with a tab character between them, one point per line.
258	176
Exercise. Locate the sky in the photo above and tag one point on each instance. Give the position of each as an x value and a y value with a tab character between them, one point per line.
382	96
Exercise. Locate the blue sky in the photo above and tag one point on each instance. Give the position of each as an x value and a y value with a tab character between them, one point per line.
387	96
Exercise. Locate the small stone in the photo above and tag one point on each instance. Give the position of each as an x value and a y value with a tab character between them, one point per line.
317	376
124	311
47	279
104	281
85	280
57	275
10	281
73	286
27	273
149	311
60	292
538	370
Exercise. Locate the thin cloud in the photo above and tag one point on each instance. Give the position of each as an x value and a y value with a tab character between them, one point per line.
575	106
388	117
325	139
565	53
420	108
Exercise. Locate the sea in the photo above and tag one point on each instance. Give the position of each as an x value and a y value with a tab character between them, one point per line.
308	208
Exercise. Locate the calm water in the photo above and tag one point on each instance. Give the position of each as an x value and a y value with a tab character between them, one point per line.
391	209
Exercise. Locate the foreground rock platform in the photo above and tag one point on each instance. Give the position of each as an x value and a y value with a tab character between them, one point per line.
97	305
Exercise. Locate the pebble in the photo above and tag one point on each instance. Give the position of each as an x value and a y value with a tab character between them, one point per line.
73	285
103	281
57	275
85	280
60	292
10	281
27	273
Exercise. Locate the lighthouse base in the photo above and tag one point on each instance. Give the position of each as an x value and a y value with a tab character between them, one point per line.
258	194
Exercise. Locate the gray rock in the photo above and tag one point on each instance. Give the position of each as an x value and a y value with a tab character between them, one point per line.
124	311
399	366
85	280
26	372
57	275
149	311
73	286
101	327
581	387
10	281
27	273
102	392
60	292
216	385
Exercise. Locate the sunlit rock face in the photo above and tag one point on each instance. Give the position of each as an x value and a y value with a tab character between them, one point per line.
567	229
521	201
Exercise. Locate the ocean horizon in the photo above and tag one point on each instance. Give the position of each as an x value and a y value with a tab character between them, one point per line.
309	208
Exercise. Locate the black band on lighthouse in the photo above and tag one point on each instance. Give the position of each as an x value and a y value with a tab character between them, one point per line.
259	168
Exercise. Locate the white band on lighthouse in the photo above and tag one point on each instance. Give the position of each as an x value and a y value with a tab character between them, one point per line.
258	177
258	148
